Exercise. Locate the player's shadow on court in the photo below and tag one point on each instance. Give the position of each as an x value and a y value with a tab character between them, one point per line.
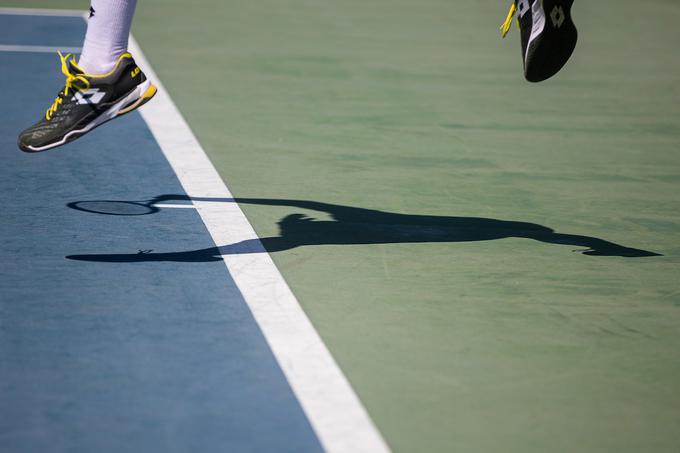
348	225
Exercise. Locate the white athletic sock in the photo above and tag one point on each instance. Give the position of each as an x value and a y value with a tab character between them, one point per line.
108	29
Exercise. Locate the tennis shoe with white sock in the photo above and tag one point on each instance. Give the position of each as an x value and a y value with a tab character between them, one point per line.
87	101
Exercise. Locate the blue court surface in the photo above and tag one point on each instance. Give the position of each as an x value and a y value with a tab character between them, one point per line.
102	356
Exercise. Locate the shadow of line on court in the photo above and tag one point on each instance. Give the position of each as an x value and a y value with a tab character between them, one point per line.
348	225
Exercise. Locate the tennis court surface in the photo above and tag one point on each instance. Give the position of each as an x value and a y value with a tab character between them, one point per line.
442	257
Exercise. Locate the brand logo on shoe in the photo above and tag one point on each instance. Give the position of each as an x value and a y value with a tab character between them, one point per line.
557	16
522	7
91	96
91	12
135	72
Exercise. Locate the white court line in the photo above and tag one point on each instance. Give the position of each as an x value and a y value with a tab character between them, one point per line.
175	206
333	409
40	12
40	49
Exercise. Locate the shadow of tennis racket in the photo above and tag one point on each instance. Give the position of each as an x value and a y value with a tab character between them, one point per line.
130	208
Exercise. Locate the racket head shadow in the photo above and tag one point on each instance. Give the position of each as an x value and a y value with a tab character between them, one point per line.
114	207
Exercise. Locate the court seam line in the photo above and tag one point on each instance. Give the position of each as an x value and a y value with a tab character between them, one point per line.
8	11
334	411
37	49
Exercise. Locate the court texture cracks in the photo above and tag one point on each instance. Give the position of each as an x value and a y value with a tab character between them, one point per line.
439	303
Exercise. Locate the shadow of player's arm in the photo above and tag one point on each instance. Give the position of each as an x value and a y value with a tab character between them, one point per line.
338	212
594	246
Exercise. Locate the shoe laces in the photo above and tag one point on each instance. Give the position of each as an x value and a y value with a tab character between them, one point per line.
505	27
74	82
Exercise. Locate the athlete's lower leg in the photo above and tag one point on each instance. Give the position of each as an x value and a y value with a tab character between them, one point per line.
108	30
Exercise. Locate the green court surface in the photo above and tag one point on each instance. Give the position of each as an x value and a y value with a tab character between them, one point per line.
418	108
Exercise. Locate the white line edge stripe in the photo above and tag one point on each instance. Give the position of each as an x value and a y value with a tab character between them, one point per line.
38	49
40	12
334	411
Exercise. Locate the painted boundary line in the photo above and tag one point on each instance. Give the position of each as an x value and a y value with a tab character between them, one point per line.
41	12
333	409
39	49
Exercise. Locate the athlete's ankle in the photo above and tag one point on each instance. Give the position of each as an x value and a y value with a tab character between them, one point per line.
101	63
108	30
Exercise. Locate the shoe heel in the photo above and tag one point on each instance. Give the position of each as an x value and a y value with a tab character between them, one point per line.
144	98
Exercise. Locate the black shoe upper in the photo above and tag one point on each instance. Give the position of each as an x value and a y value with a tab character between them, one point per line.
83	98
548	36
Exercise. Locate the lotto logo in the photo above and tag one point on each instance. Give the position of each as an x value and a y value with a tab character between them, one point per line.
557	16
91	96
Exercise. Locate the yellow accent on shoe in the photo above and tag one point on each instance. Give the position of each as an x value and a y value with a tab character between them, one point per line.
98	76
505	27
146	97
72	82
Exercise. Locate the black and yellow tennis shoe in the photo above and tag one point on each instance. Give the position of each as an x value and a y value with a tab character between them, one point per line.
548	35
87	101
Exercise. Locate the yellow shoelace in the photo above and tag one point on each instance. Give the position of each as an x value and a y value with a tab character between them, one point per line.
73	82
505	27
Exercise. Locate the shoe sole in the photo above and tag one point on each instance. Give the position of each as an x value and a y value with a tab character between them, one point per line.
135	99
552	41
